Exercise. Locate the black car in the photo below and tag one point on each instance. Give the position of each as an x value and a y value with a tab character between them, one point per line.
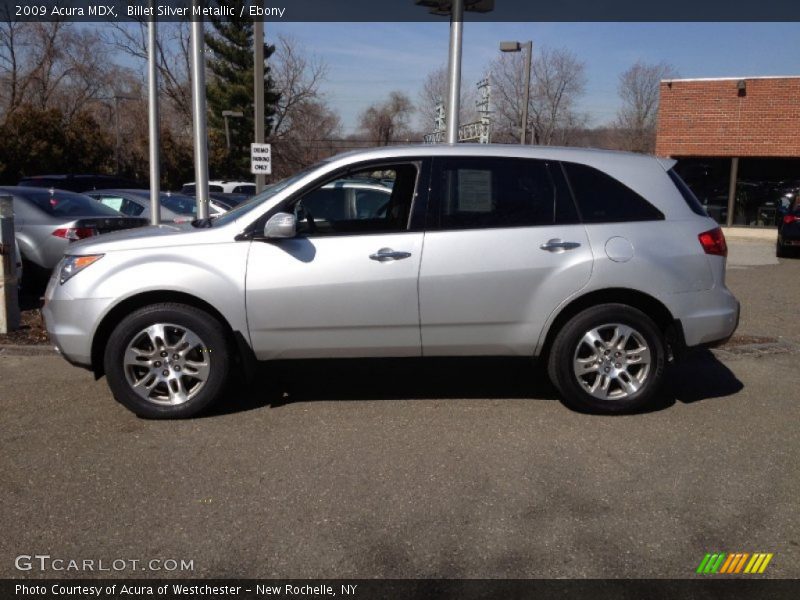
79	183
789	231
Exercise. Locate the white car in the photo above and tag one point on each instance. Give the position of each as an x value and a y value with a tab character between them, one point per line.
223	185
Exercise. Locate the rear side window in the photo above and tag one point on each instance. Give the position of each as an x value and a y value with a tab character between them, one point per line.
476	193
67	204
603	199
182	205
688	195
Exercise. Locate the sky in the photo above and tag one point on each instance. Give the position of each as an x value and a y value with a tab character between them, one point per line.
366	61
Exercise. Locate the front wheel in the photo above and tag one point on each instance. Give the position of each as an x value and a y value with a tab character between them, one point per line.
607	359
167	361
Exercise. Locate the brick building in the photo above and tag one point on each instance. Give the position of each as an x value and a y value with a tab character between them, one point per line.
737	142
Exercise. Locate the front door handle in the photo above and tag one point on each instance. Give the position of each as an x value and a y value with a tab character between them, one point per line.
557	245
386	254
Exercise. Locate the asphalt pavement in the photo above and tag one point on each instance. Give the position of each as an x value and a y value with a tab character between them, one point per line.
419	468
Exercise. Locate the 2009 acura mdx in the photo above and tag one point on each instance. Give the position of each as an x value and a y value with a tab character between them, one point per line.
601	263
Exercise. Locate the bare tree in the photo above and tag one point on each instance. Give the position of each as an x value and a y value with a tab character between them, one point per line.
54	65
173	60
387	121
304	126
558	80
639	92
12	39
297	78
435	89
313	136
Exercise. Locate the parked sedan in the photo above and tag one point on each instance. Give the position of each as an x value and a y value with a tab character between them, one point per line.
47	220
175	208
789	231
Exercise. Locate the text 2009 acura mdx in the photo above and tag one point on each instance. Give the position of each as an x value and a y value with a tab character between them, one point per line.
601	262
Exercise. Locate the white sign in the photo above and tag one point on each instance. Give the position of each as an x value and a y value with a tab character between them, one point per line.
261	159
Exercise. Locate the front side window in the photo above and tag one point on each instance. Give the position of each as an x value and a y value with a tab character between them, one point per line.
371	200
476	193
603	199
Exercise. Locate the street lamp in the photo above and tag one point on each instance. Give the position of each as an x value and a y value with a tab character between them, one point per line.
455	8
118	133
517	47
230	113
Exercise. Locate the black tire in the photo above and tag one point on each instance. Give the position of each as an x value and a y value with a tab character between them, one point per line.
780	250
568	347
214	349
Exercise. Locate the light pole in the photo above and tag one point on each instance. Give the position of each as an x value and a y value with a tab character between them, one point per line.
225	115
233	114
517	47
152	121
199	115
118	134
455	9
258	90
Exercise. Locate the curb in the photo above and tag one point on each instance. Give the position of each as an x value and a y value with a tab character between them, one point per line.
27	350
750	234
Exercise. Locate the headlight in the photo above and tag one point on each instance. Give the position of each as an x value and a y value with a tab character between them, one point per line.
71	265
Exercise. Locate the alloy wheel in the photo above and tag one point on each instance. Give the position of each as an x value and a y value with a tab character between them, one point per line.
166	364
612	361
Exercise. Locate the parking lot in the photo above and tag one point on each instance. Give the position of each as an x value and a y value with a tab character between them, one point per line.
420	468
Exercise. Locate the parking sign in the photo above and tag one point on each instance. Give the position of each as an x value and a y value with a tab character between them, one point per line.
261	159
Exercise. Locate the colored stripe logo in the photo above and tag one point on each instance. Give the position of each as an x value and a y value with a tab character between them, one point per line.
734	563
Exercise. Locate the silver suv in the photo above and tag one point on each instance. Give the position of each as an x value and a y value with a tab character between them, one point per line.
601	263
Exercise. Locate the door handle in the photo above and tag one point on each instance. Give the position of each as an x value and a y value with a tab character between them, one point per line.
386	254
557	245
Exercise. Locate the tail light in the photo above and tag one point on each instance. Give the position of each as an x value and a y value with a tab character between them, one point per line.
713	242
789	219
75	233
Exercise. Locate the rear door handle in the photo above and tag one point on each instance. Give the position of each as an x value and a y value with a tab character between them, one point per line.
387	254
557	245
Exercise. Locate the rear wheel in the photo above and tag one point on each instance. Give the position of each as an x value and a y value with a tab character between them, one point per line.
781	251
167	361
608	359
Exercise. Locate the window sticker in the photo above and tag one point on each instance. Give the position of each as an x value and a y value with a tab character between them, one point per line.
115	203
474	190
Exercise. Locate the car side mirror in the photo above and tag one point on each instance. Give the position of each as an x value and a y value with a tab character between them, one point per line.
280	226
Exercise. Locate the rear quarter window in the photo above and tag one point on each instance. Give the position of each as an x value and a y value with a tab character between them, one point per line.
688	195
603	199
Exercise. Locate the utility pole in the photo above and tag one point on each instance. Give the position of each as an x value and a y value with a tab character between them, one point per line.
258	89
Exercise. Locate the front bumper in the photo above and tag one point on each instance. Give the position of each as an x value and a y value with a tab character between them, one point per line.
70	323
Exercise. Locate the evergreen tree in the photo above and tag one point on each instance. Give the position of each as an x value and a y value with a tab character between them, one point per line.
231	88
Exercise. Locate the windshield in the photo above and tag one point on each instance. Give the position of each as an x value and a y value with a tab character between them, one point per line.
269	191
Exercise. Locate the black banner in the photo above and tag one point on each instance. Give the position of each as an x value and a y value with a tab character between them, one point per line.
400	10
360	589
